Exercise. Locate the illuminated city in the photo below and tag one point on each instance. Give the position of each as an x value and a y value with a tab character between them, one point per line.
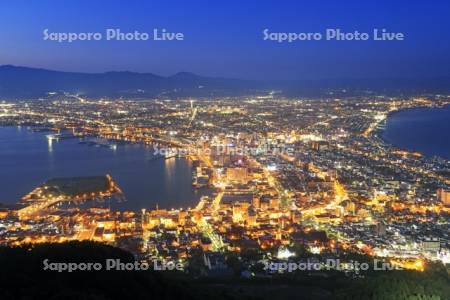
226	150
286	173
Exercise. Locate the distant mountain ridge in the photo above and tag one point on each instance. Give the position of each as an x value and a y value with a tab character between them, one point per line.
24	82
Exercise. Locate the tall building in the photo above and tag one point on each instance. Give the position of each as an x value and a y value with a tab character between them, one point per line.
443	196
237	175
380	228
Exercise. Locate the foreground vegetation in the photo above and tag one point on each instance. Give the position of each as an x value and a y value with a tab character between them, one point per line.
22	277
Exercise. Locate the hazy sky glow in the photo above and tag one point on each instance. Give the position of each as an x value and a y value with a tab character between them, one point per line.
225	38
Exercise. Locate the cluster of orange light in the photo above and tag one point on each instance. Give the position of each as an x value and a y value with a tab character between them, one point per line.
416	264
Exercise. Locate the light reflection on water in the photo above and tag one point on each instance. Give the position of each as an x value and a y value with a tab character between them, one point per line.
28	159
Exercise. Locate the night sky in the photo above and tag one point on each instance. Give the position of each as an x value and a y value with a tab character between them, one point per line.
225	38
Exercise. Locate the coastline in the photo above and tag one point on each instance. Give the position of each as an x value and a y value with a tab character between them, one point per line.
149	199
380	130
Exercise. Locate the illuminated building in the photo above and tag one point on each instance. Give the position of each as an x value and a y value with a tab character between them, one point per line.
252	215
380	228
431	245
238	174
443	196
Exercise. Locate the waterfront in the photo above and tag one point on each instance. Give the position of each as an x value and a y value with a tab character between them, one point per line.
426	130
338	189
28	159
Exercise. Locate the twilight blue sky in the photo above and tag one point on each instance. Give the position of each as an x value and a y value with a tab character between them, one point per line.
224	38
